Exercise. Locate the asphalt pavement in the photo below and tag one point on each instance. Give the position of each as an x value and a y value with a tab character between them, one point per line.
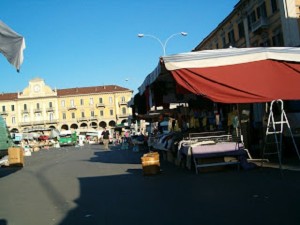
90	185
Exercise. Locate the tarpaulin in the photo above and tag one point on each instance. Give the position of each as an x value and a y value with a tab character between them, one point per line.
12	45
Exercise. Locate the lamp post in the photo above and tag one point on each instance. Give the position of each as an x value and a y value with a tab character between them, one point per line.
163	44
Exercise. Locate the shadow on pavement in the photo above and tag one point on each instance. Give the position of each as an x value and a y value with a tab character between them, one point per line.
177	196
118	156
5	171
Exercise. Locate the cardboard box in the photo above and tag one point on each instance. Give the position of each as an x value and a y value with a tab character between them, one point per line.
150	163
151	167
150	156
16	156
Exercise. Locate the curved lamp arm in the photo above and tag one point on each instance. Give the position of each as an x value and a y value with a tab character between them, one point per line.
163	45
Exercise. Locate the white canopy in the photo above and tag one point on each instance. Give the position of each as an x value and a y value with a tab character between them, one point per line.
230	56
12	45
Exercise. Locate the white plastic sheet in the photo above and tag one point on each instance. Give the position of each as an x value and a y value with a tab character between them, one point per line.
12	45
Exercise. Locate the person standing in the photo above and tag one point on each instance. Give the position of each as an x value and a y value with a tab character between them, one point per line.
105	138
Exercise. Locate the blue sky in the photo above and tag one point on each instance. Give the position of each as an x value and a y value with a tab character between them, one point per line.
81	43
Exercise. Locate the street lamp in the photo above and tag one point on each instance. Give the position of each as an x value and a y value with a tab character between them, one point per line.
163	45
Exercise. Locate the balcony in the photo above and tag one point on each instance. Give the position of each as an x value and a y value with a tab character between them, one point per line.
122	103
260	24
39	122
100	105
122	116
82	119
3	113
25	111
50	109
72	107
37	110
22	124
53	121
93	118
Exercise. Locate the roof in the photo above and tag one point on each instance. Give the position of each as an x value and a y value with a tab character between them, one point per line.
91	90
74	91
8	96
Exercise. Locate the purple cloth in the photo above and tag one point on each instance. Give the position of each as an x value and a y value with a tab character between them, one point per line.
214	150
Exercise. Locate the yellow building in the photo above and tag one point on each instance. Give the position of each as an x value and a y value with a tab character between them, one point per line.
257	23
39	107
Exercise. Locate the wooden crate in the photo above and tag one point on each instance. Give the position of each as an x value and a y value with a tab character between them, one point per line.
150	163
150	156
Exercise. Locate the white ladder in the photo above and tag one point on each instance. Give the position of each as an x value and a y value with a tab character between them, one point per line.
275	128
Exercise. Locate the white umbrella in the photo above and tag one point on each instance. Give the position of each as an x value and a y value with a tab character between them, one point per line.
12	45
54	133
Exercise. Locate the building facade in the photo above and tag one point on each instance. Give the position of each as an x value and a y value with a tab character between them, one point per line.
257	23
39	107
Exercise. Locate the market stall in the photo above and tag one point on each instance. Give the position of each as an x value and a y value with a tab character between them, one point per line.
234	76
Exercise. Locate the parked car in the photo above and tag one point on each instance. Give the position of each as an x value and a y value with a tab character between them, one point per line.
67	138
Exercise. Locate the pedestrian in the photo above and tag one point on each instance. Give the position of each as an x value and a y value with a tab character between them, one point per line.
105	138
